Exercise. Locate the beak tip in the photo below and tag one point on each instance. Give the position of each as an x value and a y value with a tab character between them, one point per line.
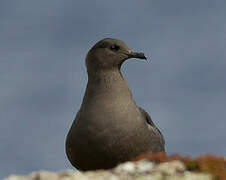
142	56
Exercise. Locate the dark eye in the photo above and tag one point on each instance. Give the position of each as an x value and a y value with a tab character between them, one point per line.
114	47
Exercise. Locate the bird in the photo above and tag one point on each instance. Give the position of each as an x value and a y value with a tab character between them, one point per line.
109	127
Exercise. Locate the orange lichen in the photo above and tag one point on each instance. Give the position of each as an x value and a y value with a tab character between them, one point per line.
215	165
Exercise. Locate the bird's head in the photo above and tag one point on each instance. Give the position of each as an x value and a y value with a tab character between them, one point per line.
109	54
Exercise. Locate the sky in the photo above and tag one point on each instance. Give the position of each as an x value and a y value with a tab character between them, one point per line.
43	75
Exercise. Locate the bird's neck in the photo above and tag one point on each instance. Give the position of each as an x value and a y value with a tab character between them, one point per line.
110	83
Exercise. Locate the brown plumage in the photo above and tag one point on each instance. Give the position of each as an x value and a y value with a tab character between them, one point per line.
110	128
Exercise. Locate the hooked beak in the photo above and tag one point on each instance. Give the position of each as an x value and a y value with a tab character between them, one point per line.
133	54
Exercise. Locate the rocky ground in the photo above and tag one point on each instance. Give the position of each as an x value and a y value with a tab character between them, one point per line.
149	166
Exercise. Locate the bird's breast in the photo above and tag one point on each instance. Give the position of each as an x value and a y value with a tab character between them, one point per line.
111	112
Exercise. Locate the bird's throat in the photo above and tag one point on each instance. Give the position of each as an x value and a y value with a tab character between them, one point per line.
109	84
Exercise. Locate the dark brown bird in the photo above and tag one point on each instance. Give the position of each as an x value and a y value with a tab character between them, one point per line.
110	128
